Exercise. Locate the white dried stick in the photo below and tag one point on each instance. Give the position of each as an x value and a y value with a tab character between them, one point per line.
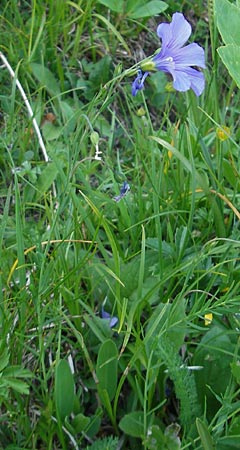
30	111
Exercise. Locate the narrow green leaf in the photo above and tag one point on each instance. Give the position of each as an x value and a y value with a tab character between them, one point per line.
64	389
114	31
4	358
175	152
204	434
19	236
4	220
142	265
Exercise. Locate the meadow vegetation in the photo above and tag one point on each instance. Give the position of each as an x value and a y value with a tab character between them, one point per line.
119	319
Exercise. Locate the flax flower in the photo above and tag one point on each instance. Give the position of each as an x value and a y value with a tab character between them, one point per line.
175	58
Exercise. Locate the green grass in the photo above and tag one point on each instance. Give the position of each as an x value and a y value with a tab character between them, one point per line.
160	259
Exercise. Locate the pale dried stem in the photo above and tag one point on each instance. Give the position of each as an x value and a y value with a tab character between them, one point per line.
30	111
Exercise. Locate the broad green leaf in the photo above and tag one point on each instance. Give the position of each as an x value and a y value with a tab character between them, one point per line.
228	20
230	174
51	132
80	423
230	56
46	78
168	441
214	355
47	177
64	389
171	435
155	438
106	370
114	5
95	423
133	424
149	9
204	434
69	116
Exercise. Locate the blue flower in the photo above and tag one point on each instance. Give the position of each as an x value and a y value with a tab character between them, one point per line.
138	83
175	58
111	319
125	187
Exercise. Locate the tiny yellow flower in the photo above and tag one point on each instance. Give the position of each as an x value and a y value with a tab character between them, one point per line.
223	133
208	319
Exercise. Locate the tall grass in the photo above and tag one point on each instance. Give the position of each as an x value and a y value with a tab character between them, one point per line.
164	259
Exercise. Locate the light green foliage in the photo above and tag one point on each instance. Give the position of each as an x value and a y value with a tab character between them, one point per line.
230	55
109	443
183	380
135	9
228	18
11	377
160	259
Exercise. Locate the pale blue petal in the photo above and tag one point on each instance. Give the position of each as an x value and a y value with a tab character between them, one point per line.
112	320
181	81
197	80
165	33
175	34
165	63
190	55
187	79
